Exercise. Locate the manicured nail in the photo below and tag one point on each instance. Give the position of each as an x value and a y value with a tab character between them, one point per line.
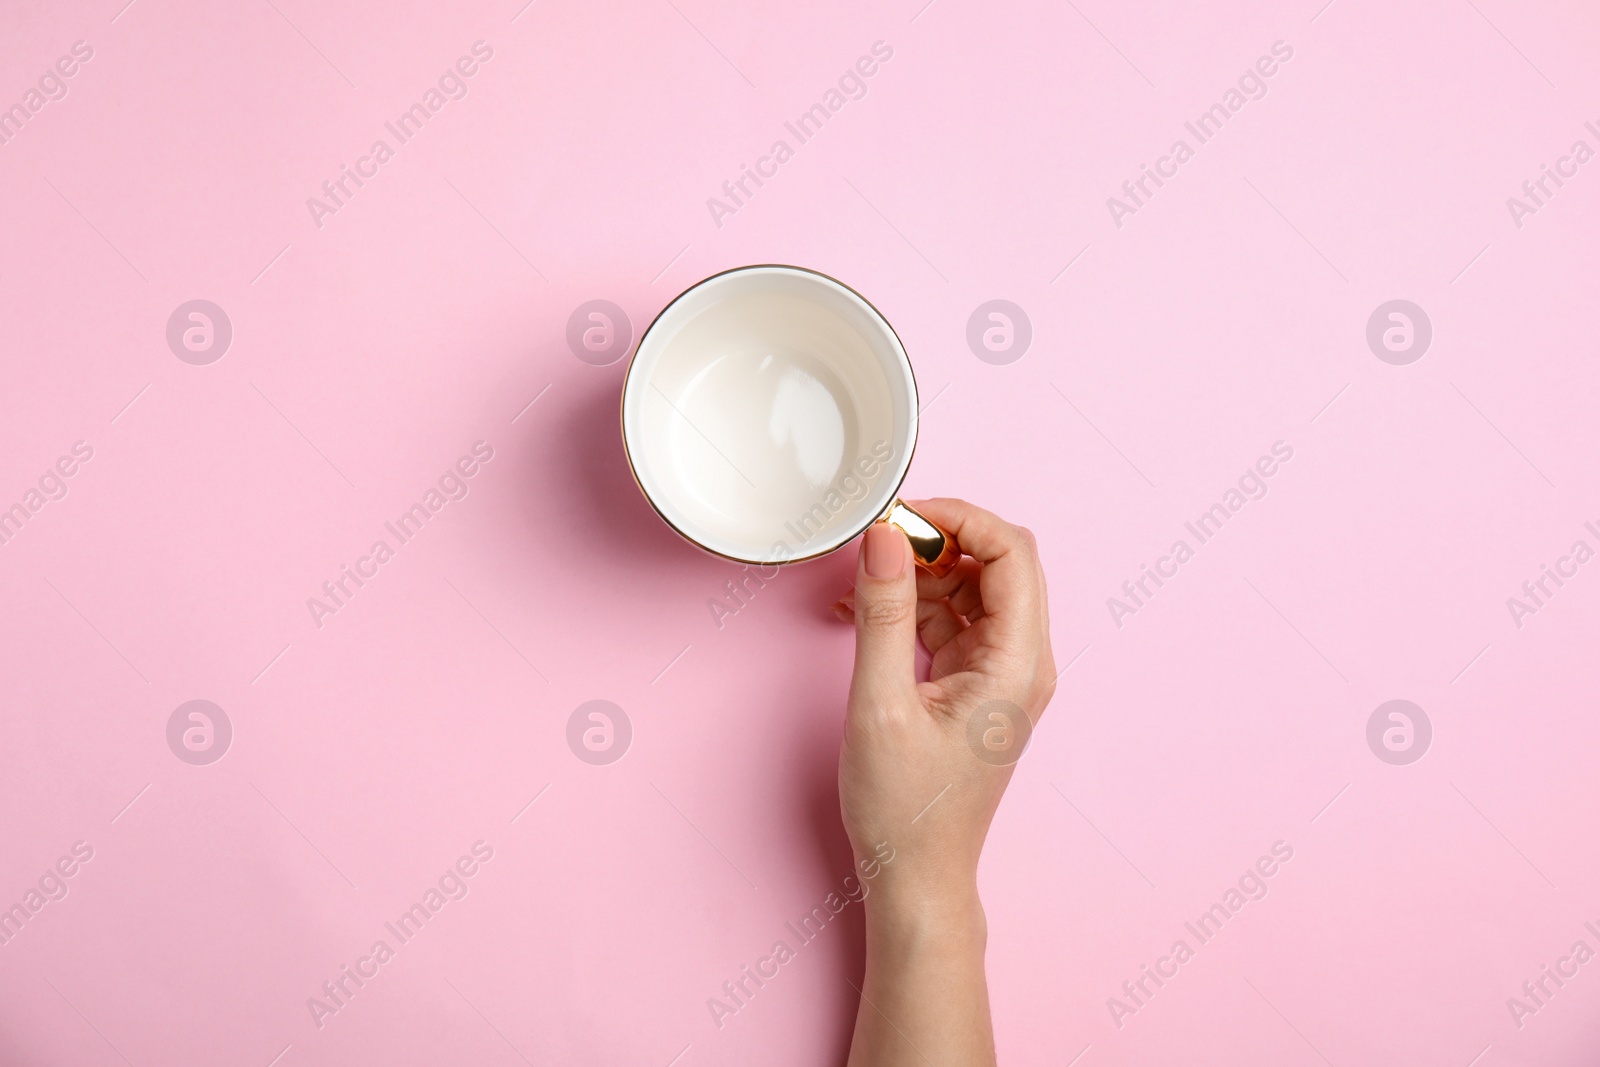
885	551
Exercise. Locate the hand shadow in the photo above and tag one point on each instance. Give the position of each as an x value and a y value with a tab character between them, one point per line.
606	508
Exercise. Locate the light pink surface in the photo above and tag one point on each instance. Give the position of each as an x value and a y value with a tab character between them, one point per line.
369	754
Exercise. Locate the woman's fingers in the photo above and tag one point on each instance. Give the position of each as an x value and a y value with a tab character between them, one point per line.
998	581
1012	591
937	624
960	585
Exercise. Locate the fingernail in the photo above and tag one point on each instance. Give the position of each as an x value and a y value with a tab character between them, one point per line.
885	551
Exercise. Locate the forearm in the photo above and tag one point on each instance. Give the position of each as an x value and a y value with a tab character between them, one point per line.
925	1000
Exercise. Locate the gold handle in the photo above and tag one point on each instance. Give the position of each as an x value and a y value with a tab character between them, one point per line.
935	551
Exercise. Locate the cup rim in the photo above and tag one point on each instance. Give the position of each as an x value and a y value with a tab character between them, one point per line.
627	450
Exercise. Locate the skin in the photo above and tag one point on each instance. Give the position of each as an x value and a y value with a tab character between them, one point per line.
909	776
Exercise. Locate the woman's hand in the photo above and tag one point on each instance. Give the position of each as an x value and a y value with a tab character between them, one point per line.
923	765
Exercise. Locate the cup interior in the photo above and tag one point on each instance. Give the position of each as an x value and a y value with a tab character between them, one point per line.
769	414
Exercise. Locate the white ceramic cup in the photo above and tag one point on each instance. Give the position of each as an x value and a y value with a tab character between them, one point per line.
769	415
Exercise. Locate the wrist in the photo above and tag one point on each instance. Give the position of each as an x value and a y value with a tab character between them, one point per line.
918	911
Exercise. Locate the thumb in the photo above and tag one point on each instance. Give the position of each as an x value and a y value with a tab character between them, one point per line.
886	615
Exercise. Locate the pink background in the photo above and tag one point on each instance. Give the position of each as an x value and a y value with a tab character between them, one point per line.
369	354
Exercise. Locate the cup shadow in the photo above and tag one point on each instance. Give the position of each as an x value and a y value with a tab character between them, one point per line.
609	508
